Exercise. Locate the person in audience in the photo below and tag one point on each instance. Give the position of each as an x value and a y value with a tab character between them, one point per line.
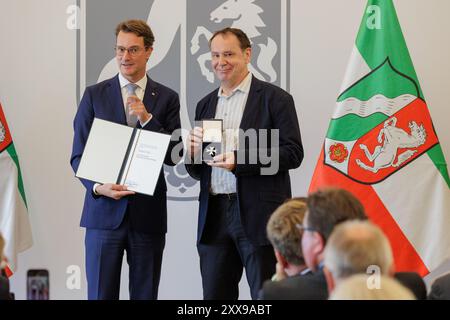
4	282
285	238
326	208
358	247
360	287
440	289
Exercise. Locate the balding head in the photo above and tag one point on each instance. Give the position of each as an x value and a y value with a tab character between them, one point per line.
356	245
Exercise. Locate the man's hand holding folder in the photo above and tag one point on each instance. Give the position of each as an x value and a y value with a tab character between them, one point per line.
115	191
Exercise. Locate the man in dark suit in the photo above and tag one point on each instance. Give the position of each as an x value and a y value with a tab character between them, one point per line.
354	246
239	189
115	218
285	238
326	209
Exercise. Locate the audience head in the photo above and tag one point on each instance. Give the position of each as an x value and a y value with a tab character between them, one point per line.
440	289
360	287
283	233
352	248
326	209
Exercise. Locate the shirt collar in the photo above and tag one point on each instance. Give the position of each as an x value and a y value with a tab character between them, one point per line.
244	87
142	83
305	271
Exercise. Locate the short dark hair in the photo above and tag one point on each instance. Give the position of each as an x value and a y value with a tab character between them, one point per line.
330	206
244	41
139	28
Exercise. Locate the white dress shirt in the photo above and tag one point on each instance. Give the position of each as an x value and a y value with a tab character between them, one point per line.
230	109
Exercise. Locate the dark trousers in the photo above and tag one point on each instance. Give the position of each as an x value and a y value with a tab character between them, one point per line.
104	253
225	251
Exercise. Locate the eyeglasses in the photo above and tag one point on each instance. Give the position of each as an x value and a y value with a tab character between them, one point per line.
303	228
132	51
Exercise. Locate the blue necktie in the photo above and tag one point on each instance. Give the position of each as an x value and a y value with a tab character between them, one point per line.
131	119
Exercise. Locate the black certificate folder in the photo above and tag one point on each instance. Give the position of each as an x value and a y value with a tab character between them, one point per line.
119	154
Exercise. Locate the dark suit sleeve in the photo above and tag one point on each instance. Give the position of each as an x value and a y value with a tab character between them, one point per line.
4	289
194	170
194	167
82	125
262	294
288	153
440	289
172	126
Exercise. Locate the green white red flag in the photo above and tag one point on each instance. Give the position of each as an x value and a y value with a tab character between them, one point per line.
14	220
382	146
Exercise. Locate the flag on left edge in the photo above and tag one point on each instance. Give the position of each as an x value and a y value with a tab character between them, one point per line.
14	220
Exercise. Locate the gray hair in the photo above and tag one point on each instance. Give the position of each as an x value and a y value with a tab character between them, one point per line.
354	246
2	246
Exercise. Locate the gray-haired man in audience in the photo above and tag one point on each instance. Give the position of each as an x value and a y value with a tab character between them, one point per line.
360	247
356	247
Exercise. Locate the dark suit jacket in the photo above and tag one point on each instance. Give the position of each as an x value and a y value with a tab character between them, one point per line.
440	289
414	282
267	107
104	101
4	288
300	287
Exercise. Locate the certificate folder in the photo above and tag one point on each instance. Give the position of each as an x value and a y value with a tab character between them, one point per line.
120	154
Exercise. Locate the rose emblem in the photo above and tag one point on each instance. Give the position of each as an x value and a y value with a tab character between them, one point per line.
338	152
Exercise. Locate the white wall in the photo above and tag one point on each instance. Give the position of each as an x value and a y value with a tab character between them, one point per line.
37	90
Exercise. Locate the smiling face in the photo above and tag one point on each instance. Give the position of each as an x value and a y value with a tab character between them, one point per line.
132	67
228	60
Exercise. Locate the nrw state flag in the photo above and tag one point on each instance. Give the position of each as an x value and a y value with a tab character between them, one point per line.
381	145
14	220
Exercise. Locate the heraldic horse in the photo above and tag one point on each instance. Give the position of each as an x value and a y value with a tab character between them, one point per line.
392	139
